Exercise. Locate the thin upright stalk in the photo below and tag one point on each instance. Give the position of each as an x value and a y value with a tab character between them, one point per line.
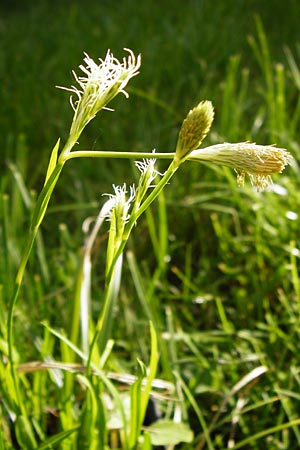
37	217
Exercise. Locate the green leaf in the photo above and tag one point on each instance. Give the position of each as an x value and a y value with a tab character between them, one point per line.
135	406
146	445
53	160
154	356
88	433
166	432
24	433
56	439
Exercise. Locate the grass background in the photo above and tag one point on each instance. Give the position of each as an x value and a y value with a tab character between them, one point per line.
215	264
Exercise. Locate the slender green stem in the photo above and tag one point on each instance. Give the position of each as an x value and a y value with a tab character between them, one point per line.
13	301
37	217
117	154
104	323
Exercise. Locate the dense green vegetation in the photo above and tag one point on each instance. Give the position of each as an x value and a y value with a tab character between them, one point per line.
213	266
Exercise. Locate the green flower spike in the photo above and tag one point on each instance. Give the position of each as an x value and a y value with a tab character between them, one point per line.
194	128
99	86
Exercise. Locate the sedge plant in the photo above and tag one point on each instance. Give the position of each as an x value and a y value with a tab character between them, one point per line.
99	84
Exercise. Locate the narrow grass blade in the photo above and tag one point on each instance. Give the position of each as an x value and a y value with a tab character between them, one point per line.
87	433
24	433
135	406
154	357
53	160
52	442
255	437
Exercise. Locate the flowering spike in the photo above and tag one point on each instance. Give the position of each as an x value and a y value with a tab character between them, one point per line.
258	161
194	128
121	204
99	86
148	174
